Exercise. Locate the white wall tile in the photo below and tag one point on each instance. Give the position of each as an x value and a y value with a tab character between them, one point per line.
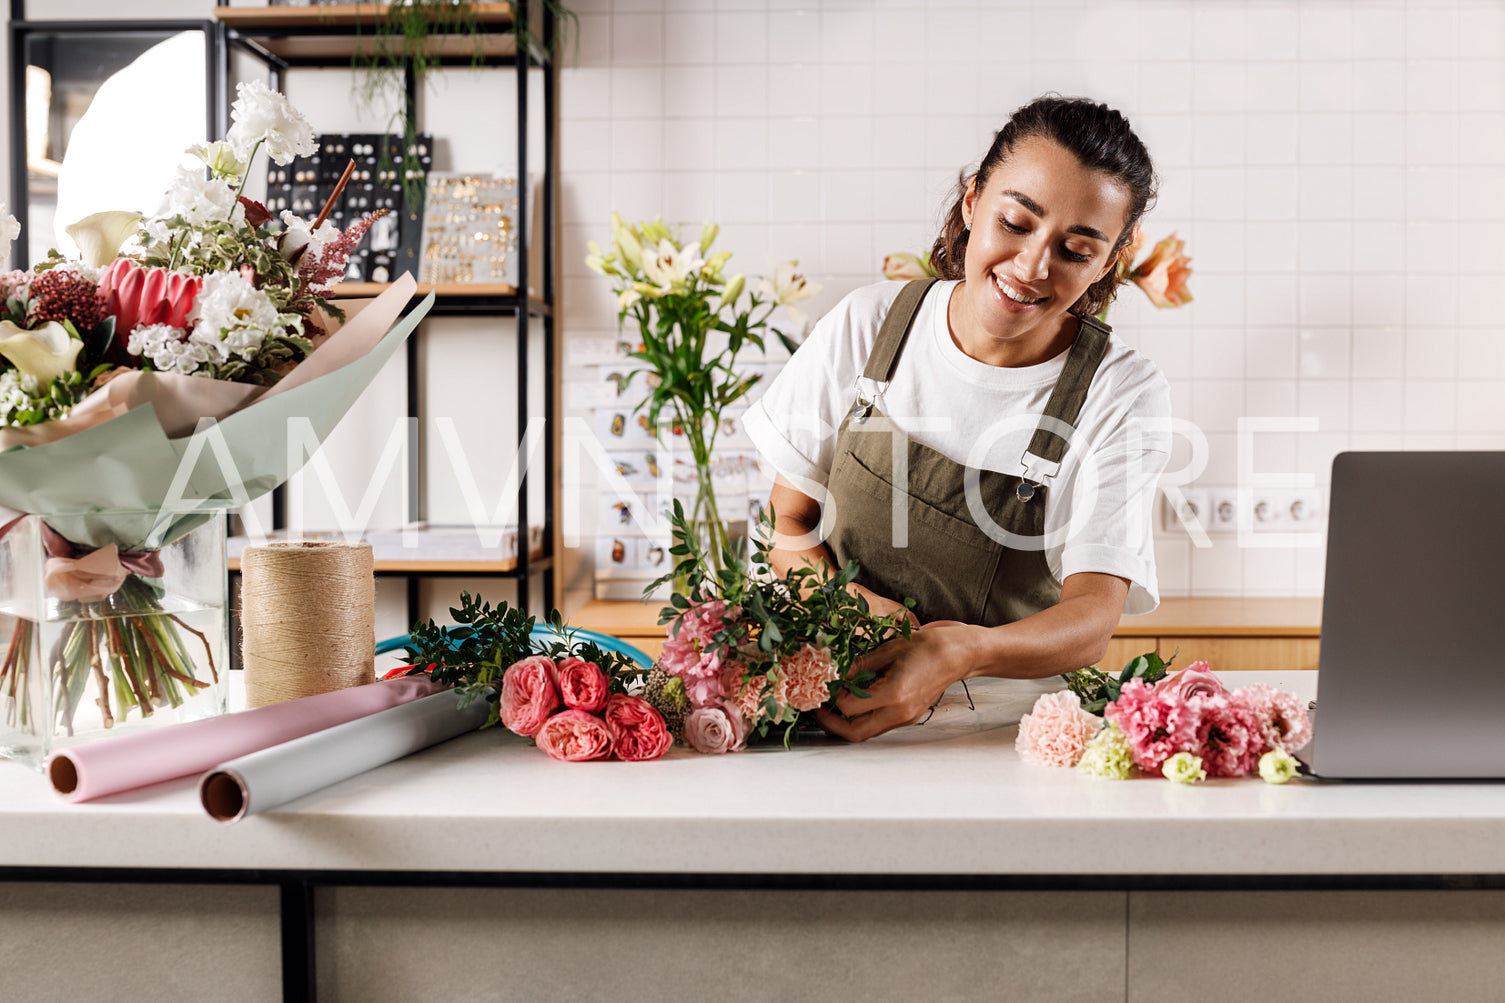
793	90
1270	399
637	38
1216	405
1165	87
1325	139
690	39
1218	354
741	144
846	90
1379	85
1481	85
1431	406
1325	299
1326	32
1431	85
637	92
1272	87
1217	140
1377	406
1378	300
1323	353
694	90
846	36
1274	31
1270	299
1379	353
742	37
1270	353
1325	246
742	90
1431	353
1326	86
690	143
1481	406
794	36
1481	354
1432	138
1325	400
1431	32
1379	33
1272	139
1379	138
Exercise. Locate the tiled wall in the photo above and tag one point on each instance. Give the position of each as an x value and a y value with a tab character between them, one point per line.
1336	168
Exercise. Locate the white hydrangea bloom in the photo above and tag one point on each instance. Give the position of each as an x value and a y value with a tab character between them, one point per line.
261	114
232	317
168	348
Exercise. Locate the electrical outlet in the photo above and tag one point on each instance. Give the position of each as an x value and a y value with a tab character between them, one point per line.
1192	509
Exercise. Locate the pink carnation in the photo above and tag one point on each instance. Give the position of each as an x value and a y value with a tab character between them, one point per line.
638	732
805	678
747	695
575	736
716	729
1283	721
692	653
1195	679
1228	736
530	693
582	684
1056	731
1156	728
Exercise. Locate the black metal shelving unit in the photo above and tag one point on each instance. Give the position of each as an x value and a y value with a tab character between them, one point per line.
285	38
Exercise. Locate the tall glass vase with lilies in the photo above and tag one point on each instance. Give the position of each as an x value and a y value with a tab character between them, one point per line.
693	322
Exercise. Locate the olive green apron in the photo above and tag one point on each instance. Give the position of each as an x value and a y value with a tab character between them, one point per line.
948	565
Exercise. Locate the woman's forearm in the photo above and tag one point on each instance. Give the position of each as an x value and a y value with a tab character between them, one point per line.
1067	636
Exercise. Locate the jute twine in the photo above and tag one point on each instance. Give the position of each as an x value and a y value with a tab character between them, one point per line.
308	616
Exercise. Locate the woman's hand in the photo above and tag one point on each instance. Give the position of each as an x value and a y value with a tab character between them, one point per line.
913	673
879	606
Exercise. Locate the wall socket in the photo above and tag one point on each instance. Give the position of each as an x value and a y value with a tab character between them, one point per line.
1220	510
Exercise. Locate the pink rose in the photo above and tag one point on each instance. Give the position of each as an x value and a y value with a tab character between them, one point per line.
575	736
805	677
716	729
1056	731
1196	678
583	685
529	694
638	731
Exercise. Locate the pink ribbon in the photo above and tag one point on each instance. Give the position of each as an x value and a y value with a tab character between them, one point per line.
95	575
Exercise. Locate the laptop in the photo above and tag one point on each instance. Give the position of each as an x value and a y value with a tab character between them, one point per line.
1411	676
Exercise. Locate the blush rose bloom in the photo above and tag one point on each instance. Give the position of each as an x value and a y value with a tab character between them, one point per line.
1196	678
805	677
530	694
638	732
716	729
575	736
1056	731
1163	275
583	685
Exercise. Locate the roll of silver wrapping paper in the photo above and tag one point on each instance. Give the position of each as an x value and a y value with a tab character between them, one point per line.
275	776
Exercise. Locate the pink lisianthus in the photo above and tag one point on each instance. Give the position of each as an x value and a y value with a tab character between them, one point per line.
1283	721
583	685
1056	731
692	653
716	729
530	694
1156	728
575	736
1228	736
806	677
638	732
1196	678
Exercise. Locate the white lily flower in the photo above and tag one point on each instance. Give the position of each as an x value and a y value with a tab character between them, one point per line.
101	235
668	267
44	353
787	288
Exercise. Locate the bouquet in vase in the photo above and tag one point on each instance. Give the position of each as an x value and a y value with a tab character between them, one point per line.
145	388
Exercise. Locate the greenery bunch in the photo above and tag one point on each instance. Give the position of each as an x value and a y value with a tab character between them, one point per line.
1098	688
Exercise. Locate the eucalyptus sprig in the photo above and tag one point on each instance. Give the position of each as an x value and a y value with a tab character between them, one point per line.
1098	688
474	655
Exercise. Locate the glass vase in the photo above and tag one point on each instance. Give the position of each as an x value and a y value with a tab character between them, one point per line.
109	622
713	497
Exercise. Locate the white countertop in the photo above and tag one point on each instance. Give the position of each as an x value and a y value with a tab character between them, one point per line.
949	797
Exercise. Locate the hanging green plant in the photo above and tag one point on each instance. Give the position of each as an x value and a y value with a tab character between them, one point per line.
403	46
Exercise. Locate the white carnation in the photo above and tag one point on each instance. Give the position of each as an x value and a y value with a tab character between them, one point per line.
261	114
233	317
202	200
167	348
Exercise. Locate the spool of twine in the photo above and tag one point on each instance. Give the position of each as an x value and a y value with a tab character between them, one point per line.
308	619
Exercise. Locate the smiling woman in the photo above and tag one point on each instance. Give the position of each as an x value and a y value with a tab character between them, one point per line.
1011	498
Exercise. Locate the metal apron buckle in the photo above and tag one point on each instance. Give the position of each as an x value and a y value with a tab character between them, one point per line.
1026	490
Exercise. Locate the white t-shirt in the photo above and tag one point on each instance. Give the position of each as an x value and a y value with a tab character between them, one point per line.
1100	501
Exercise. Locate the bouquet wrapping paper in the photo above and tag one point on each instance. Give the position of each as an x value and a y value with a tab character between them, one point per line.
84	772
276	775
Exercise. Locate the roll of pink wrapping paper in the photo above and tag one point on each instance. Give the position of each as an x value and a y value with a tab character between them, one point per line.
83	772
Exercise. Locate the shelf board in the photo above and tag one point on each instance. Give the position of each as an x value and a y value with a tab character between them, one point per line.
314	34
441	567
456	289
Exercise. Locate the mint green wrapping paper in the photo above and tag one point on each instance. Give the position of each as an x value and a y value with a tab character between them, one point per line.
84	483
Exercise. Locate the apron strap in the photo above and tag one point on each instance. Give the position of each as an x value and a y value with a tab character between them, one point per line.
896	325
1067	396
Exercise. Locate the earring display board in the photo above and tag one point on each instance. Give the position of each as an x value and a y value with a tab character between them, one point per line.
470	227
390	248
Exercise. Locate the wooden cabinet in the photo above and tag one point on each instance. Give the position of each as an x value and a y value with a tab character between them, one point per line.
1234	635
